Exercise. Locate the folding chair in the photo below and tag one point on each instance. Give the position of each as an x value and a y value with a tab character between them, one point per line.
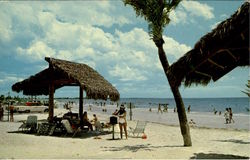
69	129
30	124
139	129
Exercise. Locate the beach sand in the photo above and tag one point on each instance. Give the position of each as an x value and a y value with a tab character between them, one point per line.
163	141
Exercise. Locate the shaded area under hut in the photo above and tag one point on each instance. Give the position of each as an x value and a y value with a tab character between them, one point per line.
65	73
217	53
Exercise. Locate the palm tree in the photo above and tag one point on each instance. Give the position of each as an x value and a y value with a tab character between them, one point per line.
156	13
247	90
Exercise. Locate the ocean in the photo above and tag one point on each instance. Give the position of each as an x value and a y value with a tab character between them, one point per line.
238	105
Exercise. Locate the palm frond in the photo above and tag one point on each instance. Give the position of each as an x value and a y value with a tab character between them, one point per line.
155	12
247	90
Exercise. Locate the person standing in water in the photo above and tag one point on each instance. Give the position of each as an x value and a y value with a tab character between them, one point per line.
226	115
230	115
159	108
189	109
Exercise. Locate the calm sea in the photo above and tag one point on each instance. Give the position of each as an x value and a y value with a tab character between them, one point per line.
238	105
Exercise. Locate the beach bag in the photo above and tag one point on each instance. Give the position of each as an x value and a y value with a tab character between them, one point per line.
144	136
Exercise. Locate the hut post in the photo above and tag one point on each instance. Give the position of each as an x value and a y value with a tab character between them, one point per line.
81	104
51	100
130	111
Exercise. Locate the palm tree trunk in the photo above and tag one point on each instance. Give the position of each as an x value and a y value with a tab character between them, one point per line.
177	96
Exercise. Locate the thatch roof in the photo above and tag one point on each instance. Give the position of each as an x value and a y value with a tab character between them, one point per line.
66	73
216	53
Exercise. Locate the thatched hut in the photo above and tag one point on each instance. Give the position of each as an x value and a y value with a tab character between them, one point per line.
65	73
216	53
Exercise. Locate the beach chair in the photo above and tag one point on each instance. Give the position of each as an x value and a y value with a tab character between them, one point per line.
98	126
69	129
30	124
139	129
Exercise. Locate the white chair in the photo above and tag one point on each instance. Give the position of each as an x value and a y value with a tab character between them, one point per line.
139	129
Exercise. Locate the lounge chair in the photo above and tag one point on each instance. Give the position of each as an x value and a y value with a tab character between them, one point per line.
30	124
69	129
139	129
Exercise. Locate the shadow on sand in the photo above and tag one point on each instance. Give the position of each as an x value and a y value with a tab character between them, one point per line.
135	148
216	156
81	135
234	141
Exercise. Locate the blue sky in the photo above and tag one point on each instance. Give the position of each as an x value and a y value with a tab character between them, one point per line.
109	37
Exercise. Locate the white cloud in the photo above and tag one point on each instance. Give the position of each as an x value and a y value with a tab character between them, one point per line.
187	11
133	49
198	9
5	28
9	78
174	48
178	17
37	51
126	73
99	13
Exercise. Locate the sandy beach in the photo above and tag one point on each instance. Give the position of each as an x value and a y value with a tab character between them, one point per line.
163	142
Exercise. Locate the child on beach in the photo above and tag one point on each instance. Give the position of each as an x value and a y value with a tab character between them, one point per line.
191	122
96	123
174	109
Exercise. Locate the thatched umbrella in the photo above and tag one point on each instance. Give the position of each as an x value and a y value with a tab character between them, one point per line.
216	53
65	73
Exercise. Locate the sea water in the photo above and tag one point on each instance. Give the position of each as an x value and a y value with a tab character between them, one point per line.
238	105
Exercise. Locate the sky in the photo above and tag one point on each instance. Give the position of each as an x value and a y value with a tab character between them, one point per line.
108	36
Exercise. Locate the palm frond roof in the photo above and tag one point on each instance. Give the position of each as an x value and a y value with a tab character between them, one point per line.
65	73
217	53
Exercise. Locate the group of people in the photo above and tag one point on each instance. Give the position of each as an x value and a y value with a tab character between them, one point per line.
68	105
215	111
165	108
90	123
11	111
228	115
121	114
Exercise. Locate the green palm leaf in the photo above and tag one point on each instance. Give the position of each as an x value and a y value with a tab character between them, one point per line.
155	12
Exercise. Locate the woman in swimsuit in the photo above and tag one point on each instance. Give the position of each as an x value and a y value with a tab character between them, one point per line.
122	120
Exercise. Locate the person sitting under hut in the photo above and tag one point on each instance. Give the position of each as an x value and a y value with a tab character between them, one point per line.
96	122
86	121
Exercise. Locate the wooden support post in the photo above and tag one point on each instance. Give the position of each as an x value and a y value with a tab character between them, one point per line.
203	74
130	111
231	54
51	101
81	104
216	64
